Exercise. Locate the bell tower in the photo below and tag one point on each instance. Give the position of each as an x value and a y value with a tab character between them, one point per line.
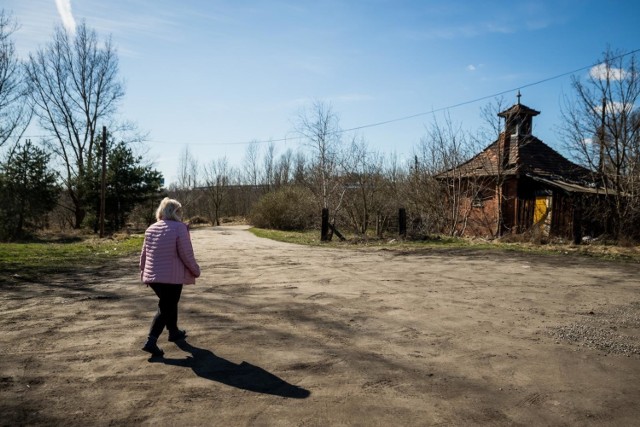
518	119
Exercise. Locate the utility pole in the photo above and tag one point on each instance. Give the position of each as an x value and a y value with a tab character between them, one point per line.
602	136
103	146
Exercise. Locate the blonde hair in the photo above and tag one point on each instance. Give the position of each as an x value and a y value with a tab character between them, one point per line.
170	209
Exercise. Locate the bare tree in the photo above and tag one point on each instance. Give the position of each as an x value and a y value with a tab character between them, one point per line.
269	165
390	196
250	164
493	127
319	126
321	131
74	87
492	122
442	204
282	171
15	111
299	168
188	180
217	181
363	175
187	170
602	131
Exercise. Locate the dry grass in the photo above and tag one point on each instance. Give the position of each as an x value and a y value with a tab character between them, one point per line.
597	249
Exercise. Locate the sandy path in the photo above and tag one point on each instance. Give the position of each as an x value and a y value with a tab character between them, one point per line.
281	334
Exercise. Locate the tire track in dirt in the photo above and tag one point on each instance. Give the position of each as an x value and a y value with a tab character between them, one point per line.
376	337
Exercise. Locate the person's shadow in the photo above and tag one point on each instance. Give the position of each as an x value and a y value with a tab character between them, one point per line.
245	376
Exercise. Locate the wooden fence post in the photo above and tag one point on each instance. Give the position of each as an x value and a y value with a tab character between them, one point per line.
324	230
402	222
577	220
103	146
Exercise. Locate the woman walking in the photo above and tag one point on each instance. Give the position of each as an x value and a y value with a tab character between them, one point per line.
166	263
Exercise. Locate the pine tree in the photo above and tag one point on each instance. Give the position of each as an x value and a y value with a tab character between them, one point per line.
28	190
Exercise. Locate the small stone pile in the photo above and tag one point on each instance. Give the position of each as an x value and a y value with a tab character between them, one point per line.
616	331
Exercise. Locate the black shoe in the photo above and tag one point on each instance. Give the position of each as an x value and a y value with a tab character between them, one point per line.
153	349
177	336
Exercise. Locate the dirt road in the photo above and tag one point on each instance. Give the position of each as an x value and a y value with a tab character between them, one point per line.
287	335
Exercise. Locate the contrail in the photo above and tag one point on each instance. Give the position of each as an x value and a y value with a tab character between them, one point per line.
64	9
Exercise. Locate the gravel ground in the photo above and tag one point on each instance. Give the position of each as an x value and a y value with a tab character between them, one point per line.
614	331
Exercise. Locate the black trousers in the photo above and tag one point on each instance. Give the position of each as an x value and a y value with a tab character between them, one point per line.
167	314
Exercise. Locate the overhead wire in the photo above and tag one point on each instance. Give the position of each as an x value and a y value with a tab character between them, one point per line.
403	118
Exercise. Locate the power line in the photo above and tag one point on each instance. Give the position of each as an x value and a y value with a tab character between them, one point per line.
399	119
437	110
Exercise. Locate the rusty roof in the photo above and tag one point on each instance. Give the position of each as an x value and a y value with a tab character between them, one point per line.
518	110
520	155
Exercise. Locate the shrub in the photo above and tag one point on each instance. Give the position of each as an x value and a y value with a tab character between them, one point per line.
198	220
289	208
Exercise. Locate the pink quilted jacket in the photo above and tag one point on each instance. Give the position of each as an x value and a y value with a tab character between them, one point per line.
167	255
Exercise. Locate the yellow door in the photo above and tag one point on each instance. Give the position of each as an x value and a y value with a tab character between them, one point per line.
541	210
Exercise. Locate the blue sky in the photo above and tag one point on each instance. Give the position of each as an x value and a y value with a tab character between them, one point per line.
213	75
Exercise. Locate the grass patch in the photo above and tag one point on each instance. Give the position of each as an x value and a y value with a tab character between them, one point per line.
44	257
312	238
309	238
